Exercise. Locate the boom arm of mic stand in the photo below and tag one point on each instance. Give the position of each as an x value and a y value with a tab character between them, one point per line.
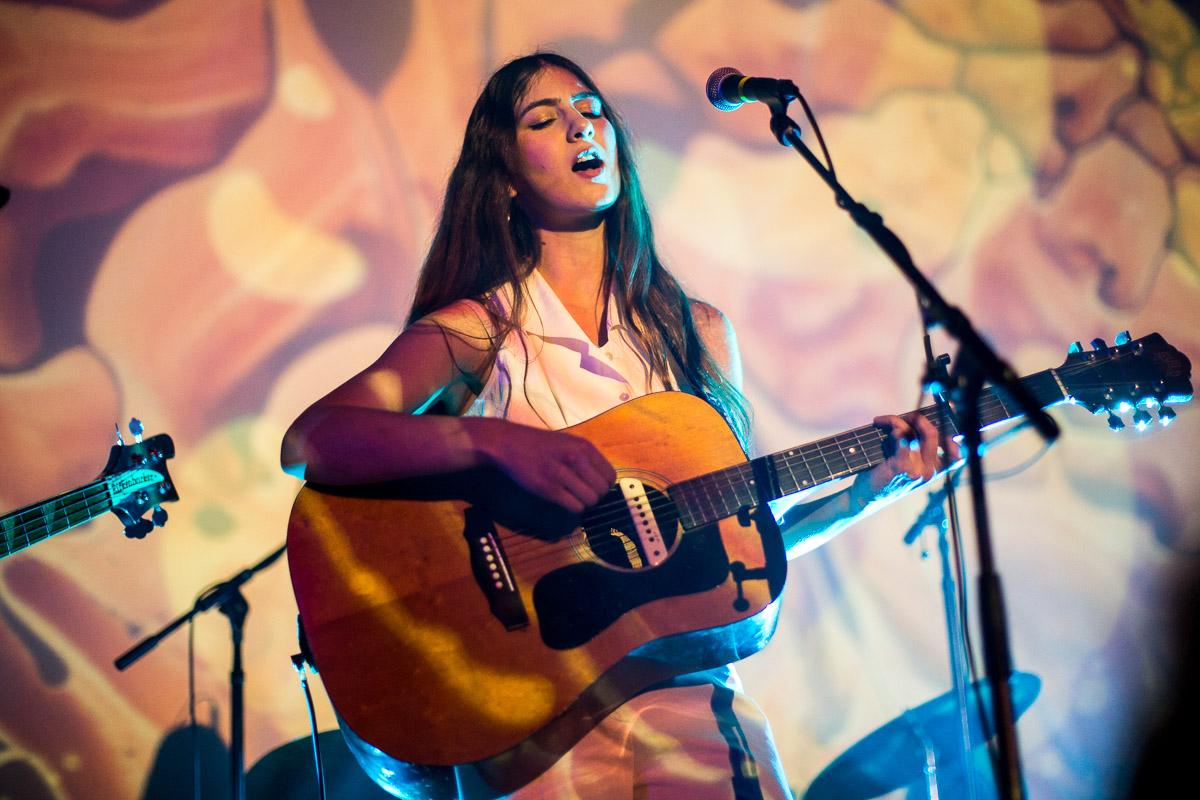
937	309
215	596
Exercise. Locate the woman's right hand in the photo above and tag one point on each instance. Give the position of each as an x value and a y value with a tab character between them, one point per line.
560	467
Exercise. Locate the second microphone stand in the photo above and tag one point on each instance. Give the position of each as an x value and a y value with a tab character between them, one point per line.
228	599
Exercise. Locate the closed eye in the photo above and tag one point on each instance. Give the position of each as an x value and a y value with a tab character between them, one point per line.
589	106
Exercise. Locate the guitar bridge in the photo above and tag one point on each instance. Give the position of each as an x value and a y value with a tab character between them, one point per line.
490	567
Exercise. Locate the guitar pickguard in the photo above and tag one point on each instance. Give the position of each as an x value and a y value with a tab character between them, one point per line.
575	603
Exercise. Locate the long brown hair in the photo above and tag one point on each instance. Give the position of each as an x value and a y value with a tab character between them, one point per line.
484	240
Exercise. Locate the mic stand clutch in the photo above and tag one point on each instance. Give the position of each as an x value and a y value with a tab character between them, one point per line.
977	363
229	600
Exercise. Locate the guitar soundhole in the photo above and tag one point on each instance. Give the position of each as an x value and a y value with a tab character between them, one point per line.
610	530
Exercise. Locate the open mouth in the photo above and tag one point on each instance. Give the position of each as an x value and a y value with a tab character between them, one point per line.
587	161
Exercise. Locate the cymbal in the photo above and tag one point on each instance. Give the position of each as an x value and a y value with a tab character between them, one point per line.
894	755
287	772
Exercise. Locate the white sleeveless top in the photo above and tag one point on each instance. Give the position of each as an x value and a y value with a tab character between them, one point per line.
550	375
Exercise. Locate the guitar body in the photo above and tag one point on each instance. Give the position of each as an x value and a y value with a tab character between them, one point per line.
435	656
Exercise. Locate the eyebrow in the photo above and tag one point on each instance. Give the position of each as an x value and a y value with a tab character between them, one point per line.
551	101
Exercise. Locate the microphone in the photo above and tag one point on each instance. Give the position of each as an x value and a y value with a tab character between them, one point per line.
728	89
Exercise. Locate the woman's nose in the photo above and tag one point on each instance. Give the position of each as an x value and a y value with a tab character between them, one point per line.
583	128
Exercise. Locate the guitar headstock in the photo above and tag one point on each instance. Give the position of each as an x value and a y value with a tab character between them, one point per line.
1132	375
137	477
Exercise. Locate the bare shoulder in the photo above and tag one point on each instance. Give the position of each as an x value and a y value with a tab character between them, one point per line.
716	331
450	344
446	351
467	320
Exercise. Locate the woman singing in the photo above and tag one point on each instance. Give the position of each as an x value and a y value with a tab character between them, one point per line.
543	303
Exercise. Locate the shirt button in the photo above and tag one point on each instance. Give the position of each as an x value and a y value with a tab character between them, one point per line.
624	396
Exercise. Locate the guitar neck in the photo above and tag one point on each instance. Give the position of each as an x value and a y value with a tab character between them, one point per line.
708	498
31	524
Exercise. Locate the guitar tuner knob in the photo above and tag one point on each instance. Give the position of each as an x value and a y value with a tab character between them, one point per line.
136	428
1115	423
1099	346
1166	416
1075	348
139	528
159	517
1141	419
1123	338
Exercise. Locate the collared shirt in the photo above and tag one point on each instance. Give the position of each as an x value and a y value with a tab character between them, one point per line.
550	375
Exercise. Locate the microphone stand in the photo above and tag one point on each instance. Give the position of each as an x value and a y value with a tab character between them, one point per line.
229	600
977	363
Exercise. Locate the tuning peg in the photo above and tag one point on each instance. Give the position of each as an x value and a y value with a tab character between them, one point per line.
1099	346
1123	338
139	528
159	517
1166	416
1141	419
1114	422
1075	349
136	428
120	441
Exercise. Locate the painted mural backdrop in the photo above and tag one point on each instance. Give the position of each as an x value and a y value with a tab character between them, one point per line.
218	208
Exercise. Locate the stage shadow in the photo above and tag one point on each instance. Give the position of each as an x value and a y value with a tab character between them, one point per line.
172	775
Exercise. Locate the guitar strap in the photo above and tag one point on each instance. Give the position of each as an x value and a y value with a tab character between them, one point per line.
742	765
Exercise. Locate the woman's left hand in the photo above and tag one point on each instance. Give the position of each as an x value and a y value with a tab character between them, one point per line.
913	458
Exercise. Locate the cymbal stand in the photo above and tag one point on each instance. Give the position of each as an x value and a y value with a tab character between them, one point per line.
935	516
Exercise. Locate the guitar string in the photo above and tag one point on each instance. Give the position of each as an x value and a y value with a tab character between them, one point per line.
711	492
705	490
58	507
82	502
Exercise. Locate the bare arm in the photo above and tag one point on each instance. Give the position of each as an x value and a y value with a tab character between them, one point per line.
914	459
370	428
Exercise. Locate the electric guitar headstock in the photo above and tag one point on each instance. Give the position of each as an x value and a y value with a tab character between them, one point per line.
136	475
134	481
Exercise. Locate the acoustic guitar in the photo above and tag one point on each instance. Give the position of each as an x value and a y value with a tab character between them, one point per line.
468	634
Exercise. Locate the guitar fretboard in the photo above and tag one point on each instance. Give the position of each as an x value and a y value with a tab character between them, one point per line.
708	498
31	524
